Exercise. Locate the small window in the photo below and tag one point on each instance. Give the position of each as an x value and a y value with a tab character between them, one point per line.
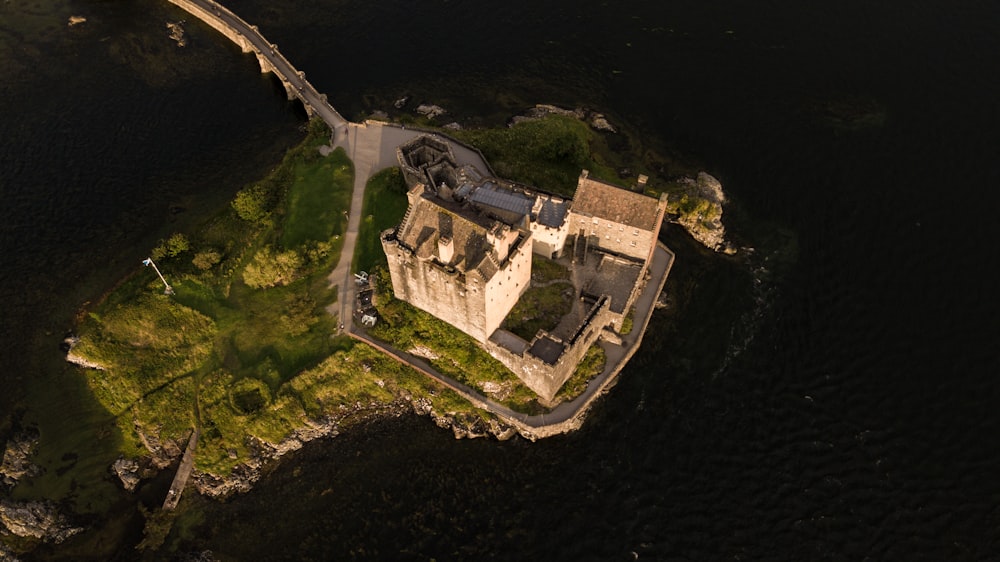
596	221
633	242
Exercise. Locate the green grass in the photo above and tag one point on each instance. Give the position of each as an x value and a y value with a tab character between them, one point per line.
544	270
546	153
460	357
249	362
628	322
384	206
540	308
590	366
318	196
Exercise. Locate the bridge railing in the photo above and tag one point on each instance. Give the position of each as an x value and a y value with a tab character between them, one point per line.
214	10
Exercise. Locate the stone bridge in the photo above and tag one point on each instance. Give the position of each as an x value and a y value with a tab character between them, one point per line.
249	39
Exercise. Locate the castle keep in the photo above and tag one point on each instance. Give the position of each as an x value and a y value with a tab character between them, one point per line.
463	253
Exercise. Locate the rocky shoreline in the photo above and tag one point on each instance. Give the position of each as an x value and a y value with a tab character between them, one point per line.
265	455
41	521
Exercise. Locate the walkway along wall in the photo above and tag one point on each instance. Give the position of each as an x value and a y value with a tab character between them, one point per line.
567	416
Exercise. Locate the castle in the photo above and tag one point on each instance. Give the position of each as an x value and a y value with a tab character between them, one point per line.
464	247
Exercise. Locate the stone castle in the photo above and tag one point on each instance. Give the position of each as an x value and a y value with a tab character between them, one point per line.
463	252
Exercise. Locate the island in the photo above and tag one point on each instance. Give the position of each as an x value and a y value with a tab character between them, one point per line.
384	268
494	279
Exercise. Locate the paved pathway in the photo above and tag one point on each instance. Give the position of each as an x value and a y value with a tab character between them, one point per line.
568	415
372	148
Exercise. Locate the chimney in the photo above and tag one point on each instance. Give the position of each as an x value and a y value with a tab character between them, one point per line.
446	249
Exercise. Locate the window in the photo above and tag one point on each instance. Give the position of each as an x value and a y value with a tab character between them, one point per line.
633	243
596	221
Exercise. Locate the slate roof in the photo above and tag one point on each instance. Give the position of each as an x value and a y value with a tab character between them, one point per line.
513	202
552	213
598	199
429	220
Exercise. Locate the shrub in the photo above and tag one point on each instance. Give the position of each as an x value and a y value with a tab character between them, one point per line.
206	259
177	244
251	204
269	269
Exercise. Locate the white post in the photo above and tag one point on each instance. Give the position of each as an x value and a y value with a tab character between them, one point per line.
168	290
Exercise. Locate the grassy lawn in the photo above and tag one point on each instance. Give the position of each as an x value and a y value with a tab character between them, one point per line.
544	270
384	206
540	308
245	344
315	211
545	153
459	356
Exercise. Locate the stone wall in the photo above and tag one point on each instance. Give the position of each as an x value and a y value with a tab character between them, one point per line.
548	241
502	292
545	379
468	302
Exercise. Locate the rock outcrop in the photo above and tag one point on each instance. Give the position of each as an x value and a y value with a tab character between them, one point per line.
596	120
699	210
37	519
68	344
17	455
127	470
430	111
264	455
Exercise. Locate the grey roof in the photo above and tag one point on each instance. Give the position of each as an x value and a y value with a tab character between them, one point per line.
491	195
552	213
546	349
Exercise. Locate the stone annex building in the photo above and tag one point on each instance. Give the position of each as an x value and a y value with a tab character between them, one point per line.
463	253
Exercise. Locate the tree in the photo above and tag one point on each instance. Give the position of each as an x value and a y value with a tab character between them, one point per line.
177	244
251	204
268	269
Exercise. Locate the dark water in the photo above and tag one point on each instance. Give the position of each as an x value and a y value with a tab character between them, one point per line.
831	394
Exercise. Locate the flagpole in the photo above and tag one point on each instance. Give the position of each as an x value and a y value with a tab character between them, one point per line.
169	290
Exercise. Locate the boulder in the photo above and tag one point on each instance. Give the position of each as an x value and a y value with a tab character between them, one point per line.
127	470
17	455
36	519
430	111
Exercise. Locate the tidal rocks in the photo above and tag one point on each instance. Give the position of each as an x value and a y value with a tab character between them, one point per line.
430	111
596	120
37	519
16	463
177	33
265	455
127	470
